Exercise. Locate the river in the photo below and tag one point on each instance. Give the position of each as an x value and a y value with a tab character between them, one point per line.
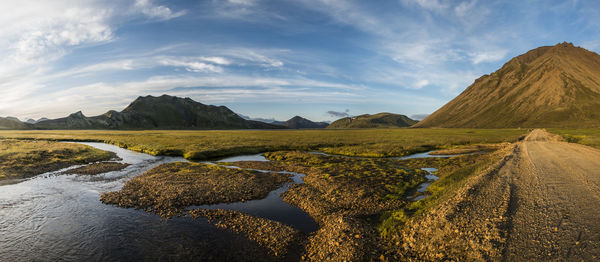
54	217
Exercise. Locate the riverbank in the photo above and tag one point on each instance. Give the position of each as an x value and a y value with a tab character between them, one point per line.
170	188
97	168
26	158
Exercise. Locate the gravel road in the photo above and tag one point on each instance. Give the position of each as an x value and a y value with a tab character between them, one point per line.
539	201
555	210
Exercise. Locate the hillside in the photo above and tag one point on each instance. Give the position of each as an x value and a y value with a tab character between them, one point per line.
11	123
298	122
164	112
550	86
381	120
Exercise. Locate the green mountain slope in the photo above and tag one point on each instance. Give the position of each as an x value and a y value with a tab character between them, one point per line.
381	120
12	123
298	122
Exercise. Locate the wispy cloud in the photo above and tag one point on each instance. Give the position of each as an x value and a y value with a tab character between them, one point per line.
152	10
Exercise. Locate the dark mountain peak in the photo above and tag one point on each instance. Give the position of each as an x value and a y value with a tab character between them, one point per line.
380	120
163	112
13	118
297	118
77	114
298	122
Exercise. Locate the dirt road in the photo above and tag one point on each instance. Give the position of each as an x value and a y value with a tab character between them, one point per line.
539	201
555	206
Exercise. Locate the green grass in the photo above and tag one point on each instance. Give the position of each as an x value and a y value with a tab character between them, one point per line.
588	137
453	174
20	159
202	145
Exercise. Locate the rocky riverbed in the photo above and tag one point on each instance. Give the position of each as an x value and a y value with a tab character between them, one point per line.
170	188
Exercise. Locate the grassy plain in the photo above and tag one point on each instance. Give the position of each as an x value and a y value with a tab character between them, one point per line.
588	137
21	158
351	198
203	145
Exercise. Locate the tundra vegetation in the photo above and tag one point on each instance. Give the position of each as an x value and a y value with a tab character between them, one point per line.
169	188
357	195
27	158
588	137
97	168
205	145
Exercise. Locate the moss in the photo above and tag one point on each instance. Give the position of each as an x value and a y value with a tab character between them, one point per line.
169	188
206	145
27	158
97	168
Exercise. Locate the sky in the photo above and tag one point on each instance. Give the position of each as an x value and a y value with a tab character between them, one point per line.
320	59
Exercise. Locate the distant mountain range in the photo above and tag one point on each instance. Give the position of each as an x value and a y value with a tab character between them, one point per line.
550	86
11	123
163	112
149	112
381	120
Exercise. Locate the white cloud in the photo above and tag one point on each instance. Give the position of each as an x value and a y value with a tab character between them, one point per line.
97	98
192	66
464	8
420	84
491	56
216	60
242	2
156	11
433	5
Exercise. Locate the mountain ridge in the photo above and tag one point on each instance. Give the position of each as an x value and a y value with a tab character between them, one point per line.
550	86
380	120
163	112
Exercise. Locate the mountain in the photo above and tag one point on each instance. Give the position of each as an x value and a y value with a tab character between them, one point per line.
33	121
164	112
12	123
381	120
259	119
298	122
550	86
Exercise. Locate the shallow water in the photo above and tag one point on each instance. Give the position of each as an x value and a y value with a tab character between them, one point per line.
59	217
419	192
257	157
54	217
271	207
417	155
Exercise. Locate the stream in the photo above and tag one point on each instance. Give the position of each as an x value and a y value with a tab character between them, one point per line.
54	216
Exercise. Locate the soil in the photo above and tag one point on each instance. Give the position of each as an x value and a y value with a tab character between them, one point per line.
169	188
283	241
540	201
97	168
468	149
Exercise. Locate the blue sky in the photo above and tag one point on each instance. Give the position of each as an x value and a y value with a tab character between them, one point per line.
269	59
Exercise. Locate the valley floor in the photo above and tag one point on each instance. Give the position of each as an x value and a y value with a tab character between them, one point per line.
534	199
541	202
